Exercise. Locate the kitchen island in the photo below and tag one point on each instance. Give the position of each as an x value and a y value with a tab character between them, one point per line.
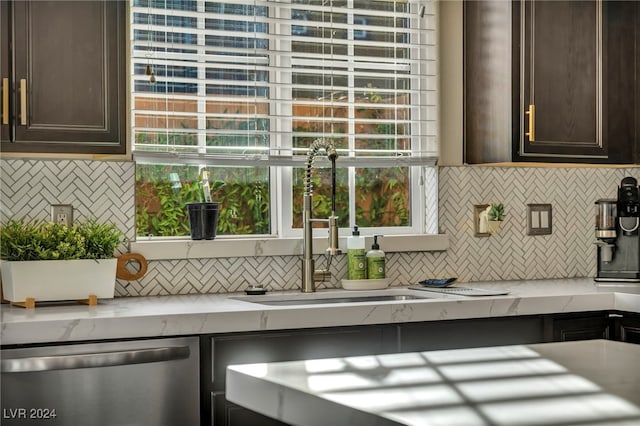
569	383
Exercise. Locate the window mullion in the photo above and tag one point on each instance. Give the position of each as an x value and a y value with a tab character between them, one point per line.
280	106
352	121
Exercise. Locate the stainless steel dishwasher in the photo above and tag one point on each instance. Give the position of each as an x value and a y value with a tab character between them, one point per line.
143	382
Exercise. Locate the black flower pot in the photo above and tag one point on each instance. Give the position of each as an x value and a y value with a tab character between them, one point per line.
203	220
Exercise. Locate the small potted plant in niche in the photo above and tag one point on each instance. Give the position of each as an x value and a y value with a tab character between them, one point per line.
203	215
44	261
495	216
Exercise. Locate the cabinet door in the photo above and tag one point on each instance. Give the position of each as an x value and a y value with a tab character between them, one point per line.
491	87
636	81
581	327
561	79
628	328
5	77
282	346
69	76
437	335
630	332
574	61
226	413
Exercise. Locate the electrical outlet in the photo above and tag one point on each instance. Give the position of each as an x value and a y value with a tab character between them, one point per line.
62	213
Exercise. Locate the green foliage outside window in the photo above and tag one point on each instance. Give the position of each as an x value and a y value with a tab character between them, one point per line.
161	210
381	199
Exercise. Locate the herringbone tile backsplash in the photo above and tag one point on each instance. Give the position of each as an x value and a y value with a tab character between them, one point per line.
512	254
105	190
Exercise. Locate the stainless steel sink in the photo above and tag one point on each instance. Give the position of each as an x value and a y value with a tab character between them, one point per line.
336	297
354	299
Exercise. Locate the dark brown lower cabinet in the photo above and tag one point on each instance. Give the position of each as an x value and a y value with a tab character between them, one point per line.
627	327
619	326
468	333
582	326
219	351
229	414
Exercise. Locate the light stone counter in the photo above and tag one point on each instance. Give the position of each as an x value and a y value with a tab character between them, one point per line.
590	382
202	314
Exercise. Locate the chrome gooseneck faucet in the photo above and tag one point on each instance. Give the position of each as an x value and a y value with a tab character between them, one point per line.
309	274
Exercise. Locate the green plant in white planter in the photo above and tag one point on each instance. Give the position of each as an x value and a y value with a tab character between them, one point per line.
50	261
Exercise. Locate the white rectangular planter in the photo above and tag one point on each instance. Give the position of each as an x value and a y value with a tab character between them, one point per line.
51	280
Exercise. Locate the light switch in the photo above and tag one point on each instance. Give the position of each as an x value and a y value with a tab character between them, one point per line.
535	219
539	219
544	219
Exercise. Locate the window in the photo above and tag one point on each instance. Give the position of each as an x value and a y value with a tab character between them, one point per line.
242	88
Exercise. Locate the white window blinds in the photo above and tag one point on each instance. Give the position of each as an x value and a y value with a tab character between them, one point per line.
240	82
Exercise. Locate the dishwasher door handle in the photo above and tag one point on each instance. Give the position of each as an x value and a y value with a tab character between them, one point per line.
93	360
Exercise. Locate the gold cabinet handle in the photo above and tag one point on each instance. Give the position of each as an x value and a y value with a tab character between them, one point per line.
532	123
23	102
5	101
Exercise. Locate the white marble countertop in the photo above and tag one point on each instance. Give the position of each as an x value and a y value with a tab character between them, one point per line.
163	316
569	383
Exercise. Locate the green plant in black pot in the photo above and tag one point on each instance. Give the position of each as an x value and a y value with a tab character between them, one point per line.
203	215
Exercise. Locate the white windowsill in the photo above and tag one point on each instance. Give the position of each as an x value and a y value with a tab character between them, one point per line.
169	249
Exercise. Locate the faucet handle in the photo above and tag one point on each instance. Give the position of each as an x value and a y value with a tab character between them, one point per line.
331	251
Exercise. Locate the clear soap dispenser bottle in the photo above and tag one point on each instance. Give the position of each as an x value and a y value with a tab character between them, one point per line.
375	261
356	257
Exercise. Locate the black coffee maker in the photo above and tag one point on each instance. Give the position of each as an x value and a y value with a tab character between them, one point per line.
618	234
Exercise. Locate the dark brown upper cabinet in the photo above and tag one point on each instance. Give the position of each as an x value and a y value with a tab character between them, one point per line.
63	74
561	79
636	153
5	83
550	81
